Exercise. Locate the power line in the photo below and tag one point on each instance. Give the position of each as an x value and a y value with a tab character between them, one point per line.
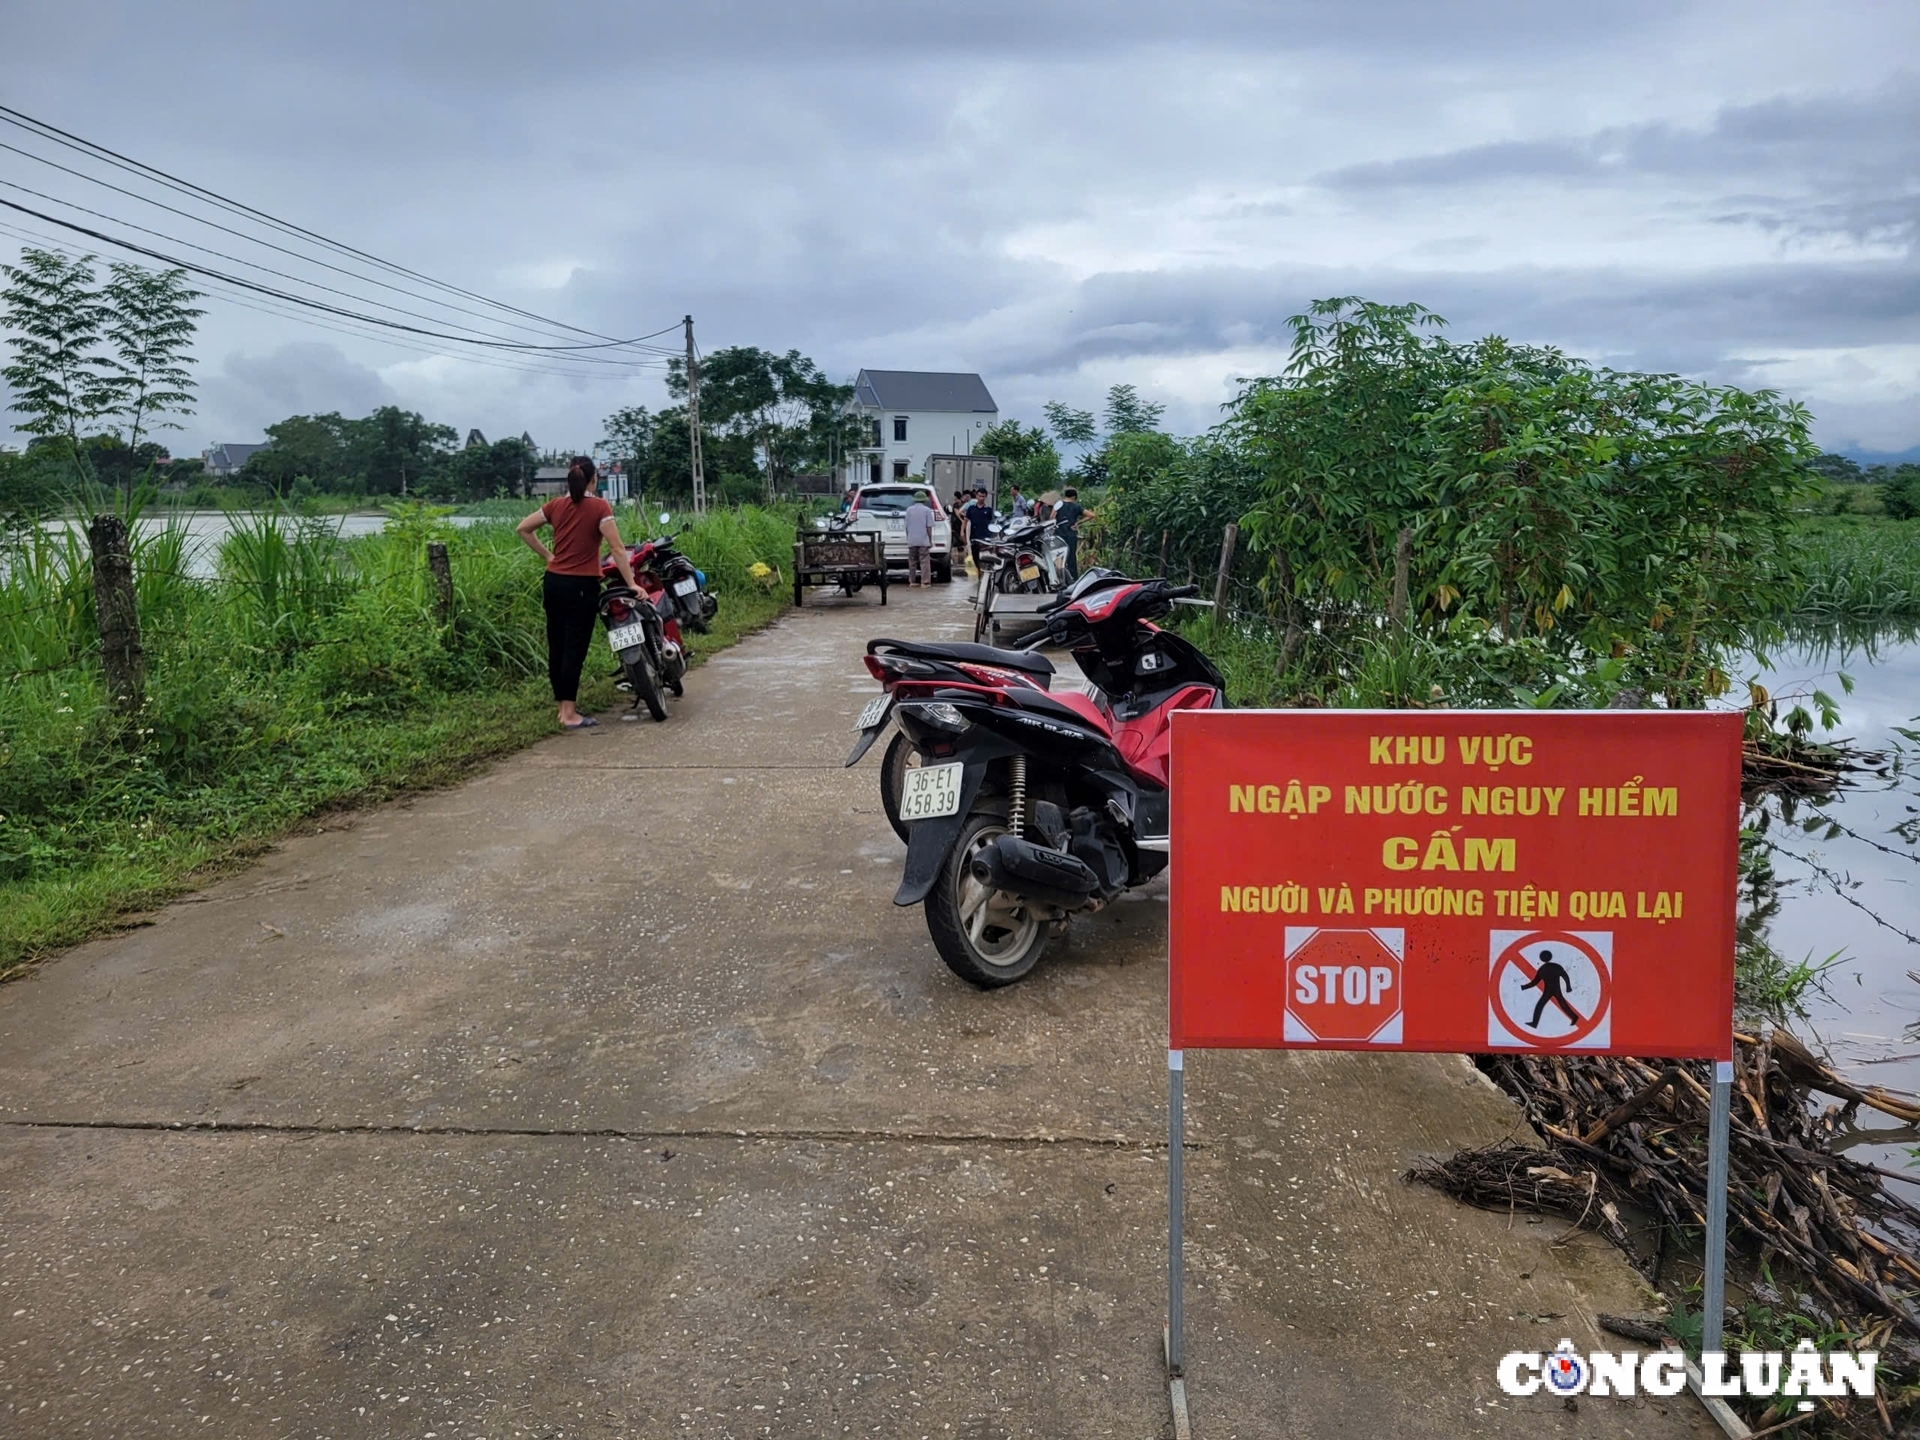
269	270
193	267
378	336
550	328
93	150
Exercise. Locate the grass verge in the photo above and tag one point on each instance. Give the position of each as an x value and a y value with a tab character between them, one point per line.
308	678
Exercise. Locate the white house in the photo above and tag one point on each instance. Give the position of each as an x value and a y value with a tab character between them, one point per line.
912	414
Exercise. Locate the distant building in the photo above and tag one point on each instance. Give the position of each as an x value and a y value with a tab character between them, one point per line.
551	480
912	414
475	440
227	459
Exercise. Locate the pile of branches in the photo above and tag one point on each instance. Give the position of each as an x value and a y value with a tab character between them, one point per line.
1623	1137
1779	763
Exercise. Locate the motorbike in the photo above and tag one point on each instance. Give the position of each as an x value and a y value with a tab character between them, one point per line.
643	627
1020	806
1025	557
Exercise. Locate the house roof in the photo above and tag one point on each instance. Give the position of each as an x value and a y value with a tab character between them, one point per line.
952	391
232	454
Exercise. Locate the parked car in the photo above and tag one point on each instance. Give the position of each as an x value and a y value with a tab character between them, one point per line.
884	508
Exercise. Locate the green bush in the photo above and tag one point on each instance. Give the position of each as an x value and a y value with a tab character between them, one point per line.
1900	494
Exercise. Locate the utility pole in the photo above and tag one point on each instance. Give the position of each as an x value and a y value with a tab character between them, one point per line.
693	423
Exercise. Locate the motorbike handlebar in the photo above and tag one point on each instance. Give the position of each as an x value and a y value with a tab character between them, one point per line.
1181	592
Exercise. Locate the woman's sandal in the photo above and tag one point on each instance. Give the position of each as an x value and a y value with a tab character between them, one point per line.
585	721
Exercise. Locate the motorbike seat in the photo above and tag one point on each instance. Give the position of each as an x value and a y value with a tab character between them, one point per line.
1025	661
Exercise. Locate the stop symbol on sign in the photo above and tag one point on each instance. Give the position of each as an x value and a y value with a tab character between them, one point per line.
1343	986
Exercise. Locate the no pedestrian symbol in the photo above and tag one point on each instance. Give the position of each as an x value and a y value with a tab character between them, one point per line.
1550	989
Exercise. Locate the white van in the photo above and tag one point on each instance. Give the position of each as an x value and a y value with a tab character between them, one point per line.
884	508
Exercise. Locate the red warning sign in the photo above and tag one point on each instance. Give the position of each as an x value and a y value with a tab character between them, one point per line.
1454	881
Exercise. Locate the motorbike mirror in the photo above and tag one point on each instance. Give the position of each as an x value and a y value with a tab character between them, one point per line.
820	524
664	517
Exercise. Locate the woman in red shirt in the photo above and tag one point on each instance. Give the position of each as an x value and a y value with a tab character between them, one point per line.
581	521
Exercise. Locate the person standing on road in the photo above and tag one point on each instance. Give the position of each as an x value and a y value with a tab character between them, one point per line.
980	518
957	536
919	520
1066	520
1018	503
570	590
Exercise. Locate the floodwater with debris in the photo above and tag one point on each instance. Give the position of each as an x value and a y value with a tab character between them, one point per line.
1849	867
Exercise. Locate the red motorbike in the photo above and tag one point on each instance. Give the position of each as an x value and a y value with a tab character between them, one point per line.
1021	806
644	627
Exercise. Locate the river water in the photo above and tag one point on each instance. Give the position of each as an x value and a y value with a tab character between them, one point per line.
1865	1011
207	528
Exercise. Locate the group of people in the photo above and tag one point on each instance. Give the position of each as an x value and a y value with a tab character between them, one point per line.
974	516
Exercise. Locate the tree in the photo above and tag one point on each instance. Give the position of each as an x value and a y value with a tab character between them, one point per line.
1841	468
629	439
1026	454
61	382
318	447
1560	513
150	328
1128	414
397	446
480	471
1900	492
785	404
1069	426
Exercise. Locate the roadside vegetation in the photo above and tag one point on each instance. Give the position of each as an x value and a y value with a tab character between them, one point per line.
309	674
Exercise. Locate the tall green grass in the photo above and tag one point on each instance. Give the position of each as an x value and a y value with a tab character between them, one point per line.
309	672
1859	571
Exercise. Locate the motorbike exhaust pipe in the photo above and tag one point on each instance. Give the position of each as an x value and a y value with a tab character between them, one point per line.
1035	873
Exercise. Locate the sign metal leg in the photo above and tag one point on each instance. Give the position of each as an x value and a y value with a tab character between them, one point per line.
1176	1206
1714	1289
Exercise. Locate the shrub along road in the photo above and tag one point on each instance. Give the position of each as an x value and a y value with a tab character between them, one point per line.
607	1095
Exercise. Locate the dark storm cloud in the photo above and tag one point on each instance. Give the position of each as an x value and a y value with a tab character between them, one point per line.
302	378
1059	195
1807	165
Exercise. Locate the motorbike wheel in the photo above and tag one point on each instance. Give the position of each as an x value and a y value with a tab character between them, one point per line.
646	688
984	941
900	758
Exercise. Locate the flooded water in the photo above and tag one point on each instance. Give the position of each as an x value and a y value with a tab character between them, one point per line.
207	528
1865	1012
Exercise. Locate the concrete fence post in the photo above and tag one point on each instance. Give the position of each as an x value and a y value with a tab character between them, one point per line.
1228	540
441	573
117	614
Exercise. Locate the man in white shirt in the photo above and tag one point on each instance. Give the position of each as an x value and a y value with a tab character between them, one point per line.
919	520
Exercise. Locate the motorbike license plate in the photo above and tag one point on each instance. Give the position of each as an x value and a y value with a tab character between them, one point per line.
932	791
686	587
875	712
1029	572
625	637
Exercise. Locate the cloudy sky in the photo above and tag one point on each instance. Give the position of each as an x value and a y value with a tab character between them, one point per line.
1059	196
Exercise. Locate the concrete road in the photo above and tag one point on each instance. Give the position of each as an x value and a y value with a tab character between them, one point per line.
608	1095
